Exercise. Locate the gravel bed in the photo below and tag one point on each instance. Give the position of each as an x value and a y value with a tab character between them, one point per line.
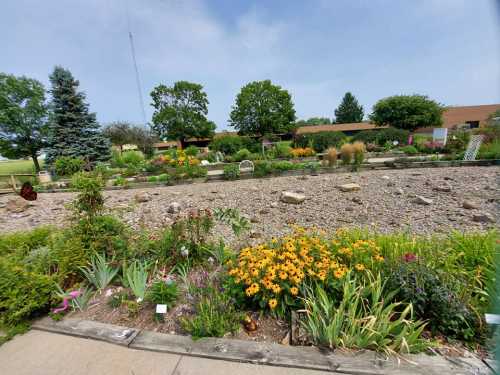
386	202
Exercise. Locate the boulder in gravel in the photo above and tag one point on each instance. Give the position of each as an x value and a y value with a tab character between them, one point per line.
399	191
445	188
349	187
142	197
17	205
483	217
291	197
174	208
469	205
422	200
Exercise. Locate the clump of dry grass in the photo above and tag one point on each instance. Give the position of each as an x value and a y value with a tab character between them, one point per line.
359	152
331	156
347	153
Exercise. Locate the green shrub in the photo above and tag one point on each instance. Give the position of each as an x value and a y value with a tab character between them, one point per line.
230	144
89	202
490	150
163	292
432	299
132	159
189	171
216	315
320	141
366	136
21	243
363	318
153	179
242	154
409	150
67	166
22	293
391	135
262	168
191	151
283	149
231	172
457	142
120	181
284	165
164	178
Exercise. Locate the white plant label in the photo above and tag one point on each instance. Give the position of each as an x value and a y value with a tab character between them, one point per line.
161	309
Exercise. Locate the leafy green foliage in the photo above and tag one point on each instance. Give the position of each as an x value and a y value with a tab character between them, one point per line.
349	110
22	293
23	118
67	166
490	150
180	111
232	217
100	273
215	316
263	108
432	299
191	151
119	133
231	172
362	319
163	292
409	150
230	144
89	201
315	121
74	131
320	141
137	278
407	112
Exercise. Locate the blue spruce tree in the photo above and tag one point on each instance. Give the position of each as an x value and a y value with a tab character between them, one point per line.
74	131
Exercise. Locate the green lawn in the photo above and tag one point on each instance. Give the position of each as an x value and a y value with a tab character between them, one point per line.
17	166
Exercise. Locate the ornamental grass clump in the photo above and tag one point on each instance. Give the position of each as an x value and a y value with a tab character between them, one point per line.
331	156
364	319
347	153
359	153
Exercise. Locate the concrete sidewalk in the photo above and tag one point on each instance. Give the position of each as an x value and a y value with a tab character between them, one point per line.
43	353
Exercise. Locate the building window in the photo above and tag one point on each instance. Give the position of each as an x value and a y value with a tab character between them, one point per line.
473	124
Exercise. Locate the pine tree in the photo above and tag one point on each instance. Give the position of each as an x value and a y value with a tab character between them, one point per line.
74	131
349	110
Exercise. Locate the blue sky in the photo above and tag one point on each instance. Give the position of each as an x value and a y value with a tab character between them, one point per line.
317	49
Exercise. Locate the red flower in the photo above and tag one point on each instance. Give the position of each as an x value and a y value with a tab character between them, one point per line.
409	257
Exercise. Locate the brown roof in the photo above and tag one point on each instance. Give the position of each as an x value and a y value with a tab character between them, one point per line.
453	116
337	127
166	144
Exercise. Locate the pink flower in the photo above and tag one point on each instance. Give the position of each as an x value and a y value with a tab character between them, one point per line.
74	293
409	257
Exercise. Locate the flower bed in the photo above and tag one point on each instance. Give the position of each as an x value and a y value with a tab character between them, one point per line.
392	293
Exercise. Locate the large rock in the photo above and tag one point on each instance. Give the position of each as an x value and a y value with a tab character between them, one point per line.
445	188
17	205
349	187
174	208
291	197
469	205
422	200
142	197
483	217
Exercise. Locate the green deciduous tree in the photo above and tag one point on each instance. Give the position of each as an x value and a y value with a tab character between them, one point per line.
315	121
74	130
263	108
180	112
144	139
407	112
119	133
349	110
23	118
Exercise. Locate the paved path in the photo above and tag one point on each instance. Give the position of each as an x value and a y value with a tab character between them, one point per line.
43	353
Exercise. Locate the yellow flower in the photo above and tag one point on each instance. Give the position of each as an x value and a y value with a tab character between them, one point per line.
338	273
273	303
360	267
276	289
294	290
283	275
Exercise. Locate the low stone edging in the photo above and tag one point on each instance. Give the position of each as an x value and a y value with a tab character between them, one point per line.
361	363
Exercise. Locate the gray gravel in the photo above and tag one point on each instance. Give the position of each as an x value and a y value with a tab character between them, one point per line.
386	202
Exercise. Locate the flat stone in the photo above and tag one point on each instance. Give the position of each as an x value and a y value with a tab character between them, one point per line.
483	217
17	204
349	187
142	197
443	188
469	205
174	208
422	200
292	198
